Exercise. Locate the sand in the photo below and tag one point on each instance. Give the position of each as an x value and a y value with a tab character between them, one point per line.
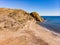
30	34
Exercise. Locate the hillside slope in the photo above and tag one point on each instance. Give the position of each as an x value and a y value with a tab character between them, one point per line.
18	27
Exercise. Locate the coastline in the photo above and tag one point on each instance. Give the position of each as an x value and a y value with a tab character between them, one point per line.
49	30
52	23
18	27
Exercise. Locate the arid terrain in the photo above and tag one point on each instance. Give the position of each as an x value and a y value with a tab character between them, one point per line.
18	27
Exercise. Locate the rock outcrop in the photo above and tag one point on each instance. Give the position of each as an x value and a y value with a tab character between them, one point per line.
37	17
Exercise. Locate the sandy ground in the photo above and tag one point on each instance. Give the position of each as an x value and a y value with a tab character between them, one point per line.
31	34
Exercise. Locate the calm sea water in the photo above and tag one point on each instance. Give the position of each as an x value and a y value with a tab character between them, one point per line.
52	23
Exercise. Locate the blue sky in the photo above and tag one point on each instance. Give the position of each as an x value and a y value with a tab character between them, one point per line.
43	7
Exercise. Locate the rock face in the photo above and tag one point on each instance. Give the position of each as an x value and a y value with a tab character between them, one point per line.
18	27
36	16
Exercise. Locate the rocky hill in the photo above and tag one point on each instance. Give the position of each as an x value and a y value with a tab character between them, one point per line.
17	27
15	17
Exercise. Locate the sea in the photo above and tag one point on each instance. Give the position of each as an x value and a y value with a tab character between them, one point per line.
52	23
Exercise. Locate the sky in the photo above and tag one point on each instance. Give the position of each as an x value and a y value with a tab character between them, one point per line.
43	7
